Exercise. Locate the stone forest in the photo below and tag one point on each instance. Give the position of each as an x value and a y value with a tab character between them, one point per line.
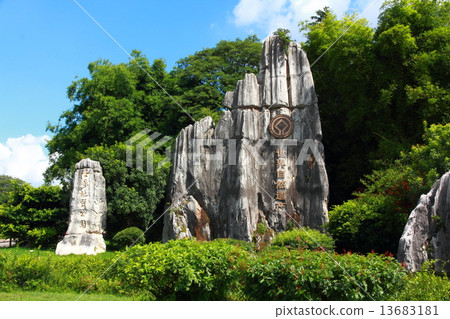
238	176
262	163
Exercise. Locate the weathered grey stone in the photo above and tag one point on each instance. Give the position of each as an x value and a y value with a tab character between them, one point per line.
427	233
87	212
228	100
224	178
247	92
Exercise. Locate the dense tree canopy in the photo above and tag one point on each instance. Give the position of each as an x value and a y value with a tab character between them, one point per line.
6	186
376	87
375	218
33	216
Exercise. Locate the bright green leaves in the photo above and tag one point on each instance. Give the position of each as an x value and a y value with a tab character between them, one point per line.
376	87
397	43
33	216
376	217
182	270
192	270
304	238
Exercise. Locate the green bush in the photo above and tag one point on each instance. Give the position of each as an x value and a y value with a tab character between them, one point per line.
425	285
182	270
304	238
245	245
127	237
284	274
34	216
367	223
217	270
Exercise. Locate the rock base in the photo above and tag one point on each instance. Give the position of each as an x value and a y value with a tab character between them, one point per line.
80	244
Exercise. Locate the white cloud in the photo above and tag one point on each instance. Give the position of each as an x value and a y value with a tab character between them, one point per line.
269	15
24	158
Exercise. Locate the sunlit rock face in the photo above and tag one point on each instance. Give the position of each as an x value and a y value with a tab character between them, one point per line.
262	163
87	212
427	233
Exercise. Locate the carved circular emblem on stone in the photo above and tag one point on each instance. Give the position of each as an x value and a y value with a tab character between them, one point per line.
281	126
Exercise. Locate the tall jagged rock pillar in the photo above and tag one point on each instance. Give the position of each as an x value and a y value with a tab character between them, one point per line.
87	212
262	163
427	233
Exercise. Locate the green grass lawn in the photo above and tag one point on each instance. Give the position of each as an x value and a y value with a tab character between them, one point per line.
52	296
18	251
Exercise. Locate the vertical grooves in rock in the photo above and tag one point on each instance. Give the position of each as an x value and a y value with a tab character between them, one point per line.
237	194
288	79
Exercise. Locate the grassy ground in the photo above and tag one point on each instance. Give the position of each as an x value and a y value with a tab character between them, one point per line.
18	251
26	295
51	296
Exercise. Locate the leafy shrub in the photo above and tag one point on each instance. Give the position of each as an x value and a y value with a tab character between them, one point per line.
181	270
425	285
284	274
304	238
245	245
42	236
217	270
127	237
33	216
367	223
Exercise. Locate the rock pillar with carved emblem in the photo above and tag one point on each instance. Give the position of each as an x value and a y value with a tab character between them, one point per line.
262	163
87	212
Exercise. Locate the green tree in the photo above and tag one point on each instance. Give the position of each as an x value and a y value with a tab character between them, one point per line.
133	196
33	216
117	101
376	217
344	83
320	15
6	186
202	79
377	87
411	43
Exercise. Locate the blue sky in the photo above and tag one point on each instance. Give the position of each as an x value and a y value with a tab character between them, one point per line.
45	44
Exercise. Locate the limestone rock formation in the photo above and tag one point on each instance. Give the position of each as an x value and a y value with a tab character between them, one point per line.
87	212
427	232
226	179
